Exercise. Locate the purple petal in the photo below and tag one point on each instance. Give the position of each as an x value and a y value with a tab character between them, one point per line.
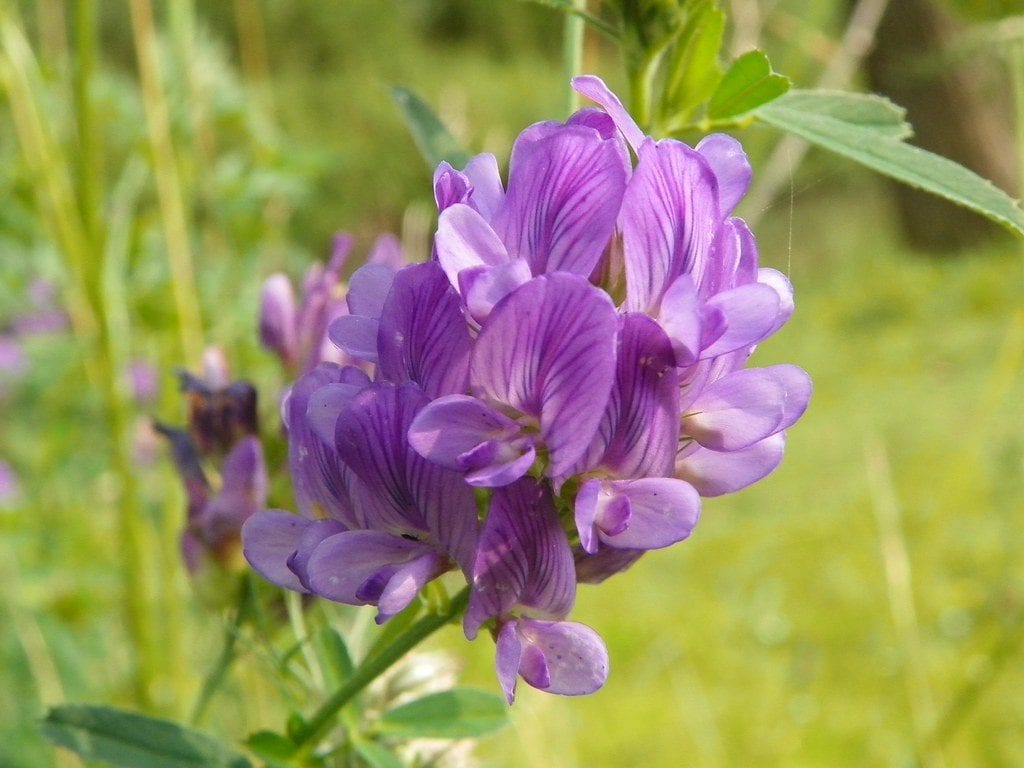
387	251
277	317
548	350
328	402
355	567
737	410
594	89
660	512
244	492
450	186
798	386
316	532
465	240
562	201
355	335
562	657
483	287
423	335
523	558
486	194
780	283
668	220
733	259
680	316
608	561
727	159
406	583
269	539
713	473
368	288
749	313
507	655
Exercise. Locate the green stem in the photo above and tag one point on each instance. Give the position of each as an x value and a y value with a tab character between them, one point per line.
374	666
89	158
1016	57
220	669
572	51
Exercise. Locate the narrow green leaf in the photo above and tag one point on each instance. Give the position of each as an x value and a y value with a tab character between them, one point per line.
130	740
748	83
271	746
693	70
376	755
861	110
819	118
333	655
456	714
434	141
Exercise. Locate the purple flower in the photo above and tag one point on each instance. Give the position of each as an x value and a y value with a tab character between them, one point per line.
220	411
10	489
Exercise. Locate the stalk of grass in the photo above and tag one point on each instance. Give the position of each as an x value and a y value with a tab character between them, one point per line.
170	193
896	562
572	51
87	305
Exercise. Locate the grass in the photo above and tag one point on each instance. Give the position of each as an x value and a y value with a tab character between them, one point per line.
862	606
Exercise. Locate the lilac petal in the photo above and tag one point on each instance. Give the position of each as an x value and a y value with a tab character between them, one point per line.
562	657
277	317
733	259
316	532
269	539
737	410
464	240
661	512
523	558
368	288
668	220
608	561
798	386
641	426
585	513
452	426
562	201
483	287
548	350
355	567
594	89
423	335
749	312
356	335
387	251
406	583
450	186
727	159
507	655
680	316
713	473
328	402
780	283
244	492
487	194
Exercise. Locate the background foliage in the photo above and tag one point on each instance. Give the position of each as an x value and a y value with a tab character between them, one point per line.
864	605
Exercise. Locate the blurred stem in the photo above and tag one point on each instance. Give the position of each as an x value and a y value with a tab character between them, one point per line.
1016	62
371	668
217	675
572	51
252	50
89	159
168	184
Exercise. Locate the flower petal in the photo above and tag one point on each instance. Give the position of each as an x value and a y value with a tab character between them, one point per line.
662	511
748	314
277	317
713	473
483	287
562	657
356	335
269	539
737	410
594	89
423	335
727	159
465	240
368	288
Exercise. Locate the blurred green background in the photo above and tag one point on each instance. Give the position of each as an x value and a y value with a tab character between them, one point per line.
864	605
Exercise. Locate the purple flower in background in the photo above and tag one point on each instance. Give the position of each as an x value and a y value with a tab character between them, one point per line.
10	489
220	411
571	361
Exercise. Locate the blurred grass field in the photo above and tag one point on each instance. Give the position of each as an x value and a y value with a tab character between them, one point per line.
862	606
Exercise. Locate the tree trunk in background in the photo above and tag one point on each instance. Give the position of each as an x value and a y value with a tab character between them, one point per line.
959	109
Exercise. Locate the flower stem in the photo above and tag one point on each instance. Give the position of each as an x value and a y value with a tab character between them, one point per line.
572	51
371	668
216	675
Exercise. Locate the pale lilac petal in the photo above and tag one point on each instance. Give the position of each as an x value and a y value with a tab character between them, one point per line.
507	654
727	159
483	287
465	240
798	386
680	316
660	512
278	317
585	513
368	288
450	186
354	567
715	473
668	220
387	251
269	539
406	583
562	201
562	657
749	313
608	561
355	335
243	492
523	560
487	194
594	89
548	350
316	532
780	283
737	410
327	402
423	335
732	262
451	427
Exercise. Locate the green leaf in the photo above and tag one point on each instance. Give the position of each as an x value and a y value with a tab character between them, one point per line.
271	746
333	655
376	755
434	141
130	740
822	118
861	110
749	83
693	70
456	714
